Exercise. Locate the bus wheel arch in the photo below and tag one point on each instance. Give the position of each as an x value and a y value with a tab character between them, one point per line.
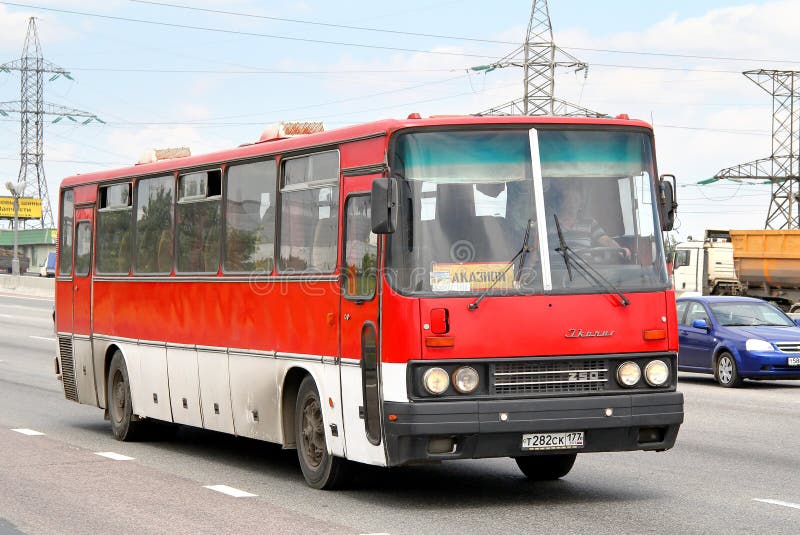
109	354
125	426
321	469
291	386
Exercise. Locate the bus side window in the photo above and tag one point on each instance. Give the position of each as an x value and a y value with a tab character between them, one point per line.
360	249
83	249
154	215
250	217
199	222
309	213
65	233
114	225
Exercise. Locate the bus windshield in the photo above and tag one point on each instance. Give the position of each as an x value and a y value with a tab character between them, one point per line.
468	198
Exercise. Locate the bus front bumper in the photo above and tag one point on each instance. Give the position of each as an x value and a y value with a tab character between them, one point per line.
440	430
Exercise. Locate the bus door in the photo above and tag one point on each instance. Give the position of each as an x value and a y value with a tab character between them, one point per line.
359	335
82	306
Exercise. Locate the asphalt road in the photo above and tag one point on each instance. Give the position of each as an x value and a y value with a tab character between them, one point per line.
734	470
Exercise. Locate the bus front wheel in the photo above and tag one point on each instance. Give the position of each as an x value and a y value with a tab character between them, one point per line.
320	469
546	467
120	411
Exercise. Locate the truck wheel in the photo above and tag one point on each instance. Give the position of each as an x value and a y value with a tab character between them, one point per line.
320	469
120	410
725	372
546	467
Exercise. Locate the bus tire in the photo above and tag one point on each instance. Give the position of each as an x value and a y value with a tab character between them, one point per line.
546	467
120	409
320	469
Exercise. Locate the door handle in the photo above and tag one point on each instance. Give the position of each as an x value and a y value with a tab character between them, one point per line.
77	288
347	316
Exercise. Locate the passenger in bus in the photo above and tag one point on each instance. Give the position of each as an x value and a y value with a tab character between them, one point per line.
580	231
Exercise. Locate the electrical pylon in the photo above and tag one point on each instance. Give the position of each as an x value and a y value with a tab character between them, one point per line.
32	109
781	168
539	57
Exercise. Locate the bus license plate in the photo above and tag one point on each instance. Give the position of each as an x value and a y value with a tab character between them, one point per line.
793	361
552	441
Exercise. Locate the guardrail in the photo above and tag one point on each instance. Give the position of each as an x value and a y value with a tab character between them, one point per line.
24	285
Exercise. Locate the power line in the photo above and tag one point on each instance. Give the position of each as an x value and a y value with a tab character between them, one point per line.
248	34
723	130
256	71
377	47
325	24
455	37
673	55
52	160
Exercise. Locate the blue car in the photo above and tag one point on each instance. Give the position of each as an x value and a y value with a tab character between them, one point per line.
737	338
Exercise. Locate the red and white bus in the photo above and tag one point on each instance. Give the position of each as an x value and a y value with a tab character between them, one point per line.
395	292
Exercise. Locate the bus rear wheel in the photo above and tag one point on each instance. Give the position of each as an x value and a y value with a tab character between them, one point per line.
120	410
546	467
320	469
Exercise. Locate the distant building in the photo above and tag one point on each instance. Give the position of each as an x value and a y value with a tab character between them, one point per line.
33	243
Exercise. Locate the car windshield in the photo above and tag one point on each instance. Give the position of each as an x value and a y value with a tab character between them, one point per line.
732	314
468	197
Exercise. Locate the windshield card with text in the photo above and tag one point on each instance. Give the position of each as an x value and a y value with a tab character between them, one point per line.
471	276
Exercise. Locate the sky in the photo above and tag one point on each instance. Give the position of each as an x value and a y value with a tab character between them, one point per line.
178	73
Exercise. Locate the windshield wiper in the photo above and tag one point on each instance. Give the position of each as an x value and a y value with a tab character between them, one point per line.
587	270
521	253
562	246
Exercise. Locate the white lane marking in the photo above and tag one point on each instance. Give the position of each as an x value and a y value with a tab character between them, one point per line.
230	491
43	338
29	432
114	456
779	502
29	297
6	316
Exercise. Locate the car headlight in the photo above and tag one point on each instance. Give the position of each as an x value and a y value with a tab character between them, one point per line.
754	344
466	379
656	373
436	381
628	373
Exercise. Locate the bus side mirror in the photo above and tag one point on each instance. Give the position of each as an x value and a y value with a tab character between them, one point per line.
385	193
667	205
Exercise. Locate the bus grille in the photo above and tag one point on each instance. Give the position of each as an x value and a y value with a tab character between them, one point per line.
789	347
67	367
546	377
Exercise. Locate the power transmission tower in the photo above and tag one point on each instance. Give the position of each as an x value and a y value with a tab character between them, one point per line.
539	57
781	168
32	109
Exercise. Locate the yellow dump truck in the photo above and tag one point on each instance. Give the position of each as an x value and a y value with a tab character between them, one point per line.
767	263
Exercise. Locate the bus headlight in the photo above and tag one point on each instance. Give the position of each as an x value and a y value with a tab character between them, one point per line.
628	373
436	381
656	373
466	379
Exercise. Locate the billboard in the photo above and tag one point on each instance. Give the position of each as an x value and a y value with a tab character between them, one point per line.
29	208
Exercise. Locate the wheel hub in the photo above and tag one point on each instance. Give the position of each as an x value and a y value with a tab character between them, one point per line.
312	435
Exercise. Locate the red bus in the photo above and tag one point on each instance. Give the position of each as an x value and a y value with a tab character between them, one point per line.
390	293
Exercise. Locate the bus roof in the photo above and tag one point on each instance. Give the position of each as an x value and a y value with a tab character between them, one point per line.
376	128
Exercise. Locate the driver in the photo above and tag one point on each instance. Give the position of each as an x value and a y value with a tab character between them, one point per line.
579	231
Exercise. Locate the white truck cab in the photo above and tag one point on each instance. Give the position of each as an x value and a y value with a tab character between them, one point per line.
706	267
